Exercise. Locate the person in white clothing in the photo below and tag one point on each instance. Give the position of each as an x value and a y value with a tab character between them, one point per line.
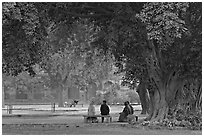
91	113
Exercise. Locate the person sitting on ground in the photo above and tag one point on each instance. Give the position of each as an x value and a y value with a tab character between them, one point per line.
104	110
91	113
126	111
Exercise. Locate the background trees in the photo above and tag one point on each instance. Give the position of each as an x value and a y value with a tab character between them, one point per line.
72	60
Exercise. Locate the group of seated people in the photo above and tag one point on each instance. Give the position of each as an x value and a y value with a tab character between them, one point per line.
104	109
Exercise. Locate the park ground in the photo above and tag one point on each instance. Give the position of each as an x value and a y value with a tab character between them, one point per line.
69	121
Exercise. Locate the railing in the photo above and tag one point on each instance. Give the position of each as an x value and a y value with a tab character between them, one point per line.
10	106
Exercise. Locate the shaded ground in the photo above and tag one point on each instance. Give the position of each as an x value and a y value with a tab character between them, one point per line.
88	129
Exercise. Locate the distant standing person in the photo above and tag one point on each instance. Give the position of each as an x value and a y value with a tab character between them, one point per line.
104	110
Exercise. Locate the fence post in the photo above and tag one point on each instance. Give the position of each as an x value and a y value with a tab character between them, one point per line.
9	109
53	107
136	117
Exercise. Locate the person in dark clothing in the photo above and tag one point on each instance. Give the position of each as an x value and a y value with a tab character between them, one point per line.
104	110
132	110
128	110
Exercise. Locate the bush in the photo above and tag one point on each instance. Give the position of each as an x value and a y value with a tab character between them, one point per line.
192	119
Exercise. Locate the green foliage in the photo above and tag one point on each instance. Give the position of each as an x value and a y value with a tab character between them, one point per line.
168	25
167	20
180	48
126	37
164	20
190	100
189	110
22	35
191	121
182	118
72	56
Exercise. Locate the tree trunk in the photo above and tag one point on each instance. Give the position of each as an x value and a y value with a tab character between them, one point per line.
160	109
144	99
199	99
163	98
151	104
60	97
3	104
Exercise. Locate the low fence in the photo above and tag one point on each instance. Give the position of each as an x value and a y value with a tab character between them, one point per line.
10	106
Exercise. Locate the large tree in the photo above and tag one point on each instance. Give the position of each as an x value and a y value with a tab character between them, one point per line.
158	46
170	41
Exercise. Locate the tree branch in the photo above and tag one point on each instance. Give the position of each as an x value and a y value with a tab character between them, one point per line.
65	79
